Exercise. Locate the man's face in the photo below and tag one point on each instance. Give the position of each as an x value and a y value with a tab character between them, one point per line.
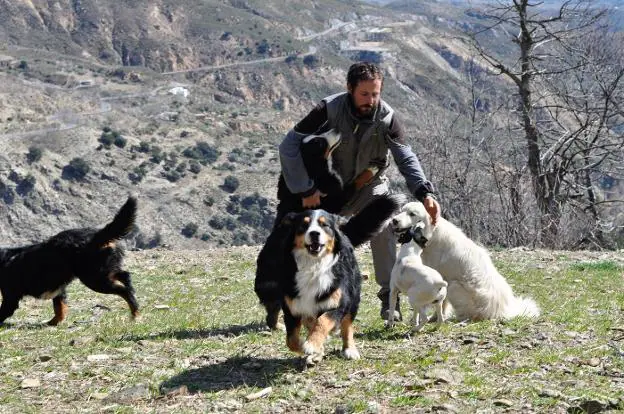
366	96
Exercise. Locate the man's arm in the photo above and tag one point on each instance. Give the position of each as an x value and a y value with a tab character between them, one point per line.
407	162
295	175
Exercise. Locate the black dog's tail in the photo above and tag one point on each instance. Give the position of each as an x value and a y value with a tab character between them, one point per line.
121	225
371	219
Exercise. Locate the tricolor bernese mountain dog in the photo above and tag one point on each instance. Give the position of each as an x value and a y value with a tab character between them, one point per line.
316	152
308	268
44	270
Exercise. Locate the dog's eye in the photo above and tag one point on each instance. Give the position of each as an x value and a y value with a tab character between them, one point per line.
411	214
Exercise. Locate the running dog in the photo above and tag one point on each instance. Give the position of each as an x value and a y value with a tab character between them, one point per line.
44	270
308	269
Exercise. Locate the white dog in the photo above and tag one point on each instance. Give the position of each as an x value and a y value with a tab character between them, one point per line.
475	288
423	285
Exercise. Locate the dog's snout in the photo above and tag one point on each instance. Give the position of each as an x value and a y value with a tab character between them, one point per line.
395	222
314	235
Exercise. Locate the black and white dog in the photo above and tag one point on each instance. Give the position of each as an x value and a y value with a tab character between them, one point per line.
316	152
308	269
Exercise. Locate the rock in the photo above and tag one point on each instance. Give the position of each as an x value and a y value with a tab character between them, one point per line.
259	394
45	358
503	403
550	393
98	357
30	383
130	394
593	362
443	376
174	392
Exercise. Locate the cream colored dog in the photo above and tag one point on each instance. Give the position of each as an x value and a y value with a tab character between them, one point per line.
476	290
423	285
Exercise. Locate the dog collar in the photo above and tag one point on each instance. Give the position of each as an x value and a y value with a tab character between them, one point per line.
408	236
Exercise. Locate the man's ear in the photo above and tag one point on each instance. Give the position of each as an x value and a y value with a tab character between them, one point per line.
349	89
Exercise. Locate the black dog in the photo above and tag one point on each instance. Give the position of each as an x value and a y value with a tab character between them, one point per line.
45	269
316	152
308	269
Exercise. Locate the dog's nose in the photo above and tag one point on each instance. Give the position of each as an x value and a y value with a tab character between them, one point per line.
314	235
395	222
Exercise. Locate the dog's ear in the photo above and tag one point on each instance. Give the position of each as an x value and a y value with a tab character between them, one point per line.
287	220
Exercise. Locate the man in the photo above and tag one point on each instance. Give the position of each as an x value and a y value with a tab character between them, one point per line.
370	131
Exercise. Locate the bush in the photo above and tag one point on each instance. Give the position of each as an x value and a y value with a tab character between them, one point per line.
230	184
7	193
120	142
172	175
34	154
194	167
202	152
138	173
76	170
26	185
217	222
189	230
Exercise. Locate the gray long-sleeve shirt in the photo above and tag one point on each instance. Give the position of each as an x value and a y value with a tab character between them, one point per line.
365	143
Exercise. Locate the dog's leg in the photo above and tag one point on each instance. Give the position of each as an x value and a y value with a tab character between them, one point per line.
8	307
313	347
293	329
440	313
116	283
421	318
394	297
272	317
349	349
60	309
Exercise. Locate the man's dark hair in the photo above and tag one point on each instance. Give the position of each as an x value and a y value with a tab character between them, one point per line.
363	71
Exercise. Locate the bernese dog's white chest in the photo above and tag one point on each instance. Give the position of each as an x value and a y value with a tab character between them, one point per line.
314	278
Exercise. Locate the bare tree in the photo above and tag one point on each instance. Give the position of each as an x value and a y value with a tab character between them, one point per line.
569	87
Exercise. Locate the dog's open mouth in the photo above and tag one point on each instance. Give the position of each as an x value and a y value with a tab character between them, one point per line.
315	248
400	231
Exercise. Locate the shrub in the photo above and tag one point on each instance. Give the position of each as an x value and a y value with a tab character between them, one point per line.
26	185
34	154
76	170
120	141
172	175
217	222
189	230
194	167
202	152
230	184
138	173
107	139
7	193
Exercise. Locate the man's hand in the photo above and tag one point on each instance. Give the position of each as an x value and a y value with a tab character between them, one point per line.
312	201
433	208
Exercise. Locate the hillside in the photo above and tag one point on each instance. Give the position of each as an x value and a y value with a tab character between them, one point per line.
183	104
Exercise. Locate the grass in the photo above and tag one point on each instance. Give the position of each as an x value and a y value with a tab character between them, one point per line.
200	346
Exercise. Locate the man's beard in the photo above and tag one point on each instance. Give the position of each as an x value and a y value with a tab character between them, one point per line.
365	109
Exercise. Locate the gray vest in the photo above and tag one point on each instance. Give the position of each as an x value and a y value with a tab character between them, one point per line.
363	141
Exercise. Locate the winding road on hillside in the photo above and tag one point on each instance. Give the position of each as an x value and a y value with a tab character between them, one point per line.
69	121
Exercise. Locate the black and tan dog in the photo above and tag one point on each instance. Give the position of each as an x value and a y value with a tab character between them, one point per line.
45	269
308	268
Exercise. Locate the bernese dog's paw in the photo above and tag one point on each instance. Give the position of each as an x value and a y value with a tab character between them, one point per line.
351	353
309	348
313	359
